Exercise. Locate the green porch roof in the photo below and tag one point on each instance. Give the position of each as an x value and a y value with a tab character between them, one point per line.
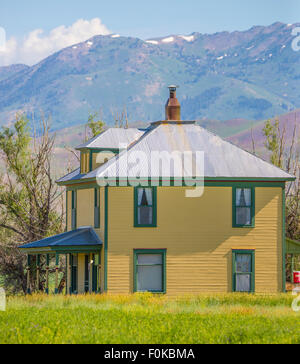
292	246
84	238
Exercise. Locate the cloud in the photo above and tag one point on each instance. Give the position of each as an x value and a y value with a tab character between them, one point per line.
37	45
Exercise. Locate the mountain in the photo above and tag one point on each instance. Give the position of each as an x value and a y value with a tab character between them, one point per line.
8	71
250	75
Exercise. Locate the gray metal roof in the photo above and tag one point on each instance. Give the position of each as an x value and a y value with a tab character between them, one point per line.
72	176
222	159
112	138
84	236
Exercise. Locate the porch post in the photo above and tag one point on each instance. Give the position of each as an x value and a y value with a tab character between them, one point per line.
56	272
47	272
38	262
28	274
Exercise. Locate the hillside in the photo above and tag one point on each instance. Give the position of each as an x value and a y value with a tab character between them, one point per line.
287	122
249	75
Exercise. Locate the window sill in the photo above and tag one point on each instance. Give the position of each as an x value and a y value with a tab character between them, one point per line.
153	292
243	226
145	226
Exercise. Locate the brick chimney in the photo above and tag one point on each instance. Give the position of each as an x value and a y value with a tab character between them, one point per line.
173	105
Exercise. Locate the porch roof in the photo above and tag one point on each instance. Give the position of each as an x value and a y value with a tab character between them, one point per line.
292	246
84	237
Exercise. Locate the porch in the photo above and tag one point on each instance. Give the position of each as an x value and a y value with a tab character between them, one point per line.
81	249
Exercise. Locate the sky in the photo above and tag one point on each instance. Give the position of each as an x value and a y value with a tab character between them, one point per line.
34	29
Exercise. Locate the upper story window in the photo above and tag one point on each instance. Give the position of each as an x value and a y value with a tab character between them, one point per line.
243	207
84	162
97	208
145	207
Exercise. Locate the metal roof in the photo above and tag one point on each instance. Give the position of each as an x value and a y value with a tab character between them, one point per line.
222	159
112	138
85	236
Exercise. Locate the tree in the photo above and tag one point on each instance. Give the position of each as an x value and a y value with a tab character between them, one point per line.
30	201
120	118
287	158
95	124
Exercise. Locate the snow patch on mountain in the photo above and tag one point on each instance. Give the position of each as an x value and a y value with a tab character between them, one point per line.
188	38
168	40
152	41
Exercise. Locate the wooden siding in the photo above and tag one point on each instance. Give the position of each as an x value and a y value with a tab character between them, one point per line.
85	207
199	238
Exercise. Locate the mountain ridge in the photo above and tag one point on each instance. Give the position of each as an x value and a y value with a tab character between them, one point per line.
250	74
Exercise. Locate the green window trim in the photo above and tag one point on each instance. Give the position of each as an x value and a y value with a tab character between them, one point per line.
154	208
252	273
163	252
234	207
67	207
90	161
74	210
97	208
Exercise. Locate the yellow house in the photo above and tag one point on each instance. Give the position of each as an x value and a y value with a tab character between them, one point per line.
171	209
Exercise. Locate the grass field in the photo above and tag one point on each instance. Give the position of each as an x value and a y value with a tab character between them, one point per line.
145	318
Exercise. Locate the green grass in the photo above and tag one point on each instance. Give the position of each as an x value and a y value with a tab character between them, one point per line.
145	318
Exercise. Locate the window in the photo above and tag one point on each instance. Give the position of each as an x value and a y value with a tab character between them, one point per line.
243	270
150	271
97	208
84	162
145	207
74	205
243	206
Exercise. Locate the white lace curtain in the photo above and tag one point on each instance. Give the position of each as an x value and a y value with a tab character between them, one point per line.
147	193
243	197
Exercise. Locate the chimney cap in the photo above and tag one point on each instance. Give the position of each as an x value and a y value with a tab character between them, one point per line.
173	87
